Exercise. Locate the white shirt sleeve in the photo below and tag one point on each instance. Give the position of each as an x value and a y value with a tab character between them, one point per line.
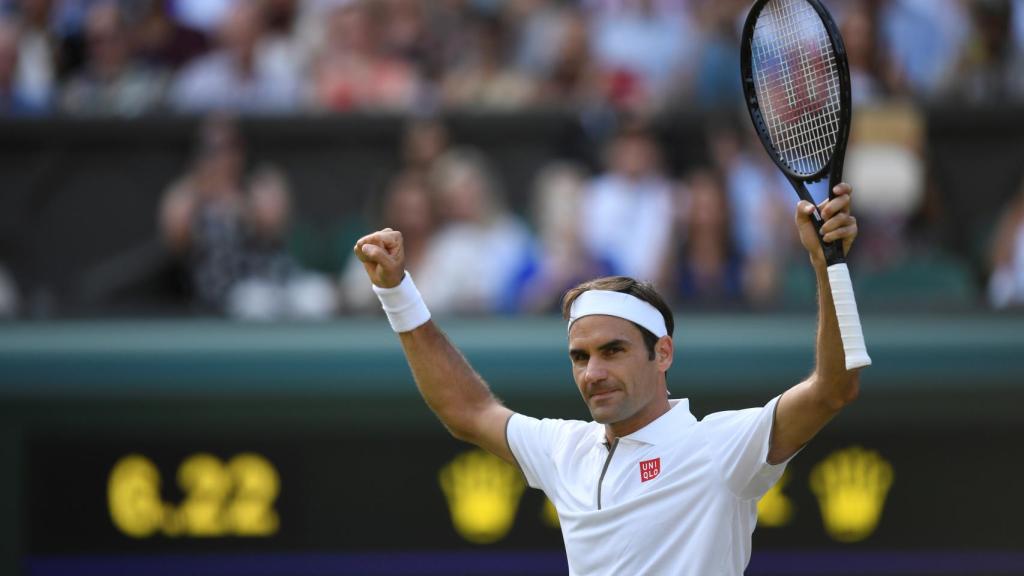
532	442
739	442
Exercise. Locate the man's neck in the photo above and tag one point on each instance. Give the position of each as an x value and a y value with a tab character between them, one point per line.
649	414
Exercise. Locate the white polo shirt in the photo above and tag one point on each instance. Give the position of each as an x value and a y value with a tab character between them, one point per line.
676	497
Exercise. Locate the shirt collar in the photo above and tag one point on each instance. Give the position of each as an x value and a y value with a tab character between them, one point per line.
662	428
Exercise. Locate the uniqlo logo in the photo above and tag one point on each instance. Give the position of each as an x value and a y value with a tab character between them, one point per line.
649	469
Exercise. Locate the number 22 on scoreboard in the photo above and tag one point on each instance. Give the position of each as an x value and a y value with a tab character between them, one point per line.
233	499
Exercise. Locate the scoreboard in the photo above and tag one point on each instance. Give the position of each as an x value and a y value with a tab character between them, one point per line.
184	448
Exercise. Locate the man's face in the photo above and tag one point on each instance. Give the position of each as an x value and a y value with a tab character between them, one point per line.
613	370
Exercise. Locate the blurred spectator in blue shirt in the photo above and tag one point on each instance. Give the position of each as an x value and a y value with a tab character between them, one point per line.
923	40
112	82
244	74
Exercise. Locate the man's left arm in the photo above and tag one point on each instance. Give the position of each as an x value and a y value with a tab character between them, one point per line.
805	408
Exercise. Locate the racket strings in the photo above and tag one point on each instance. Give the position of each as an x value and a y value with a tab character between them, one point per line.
797	81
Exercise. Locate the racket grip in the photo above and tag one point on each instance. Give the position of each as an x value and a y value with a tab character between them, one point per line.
847	316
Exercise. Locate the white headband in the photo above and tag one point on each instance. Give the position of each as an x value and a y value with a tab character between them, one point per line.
621	305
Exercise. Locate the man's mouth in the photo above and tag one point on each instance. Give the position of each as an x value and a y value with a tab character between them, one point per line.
602	394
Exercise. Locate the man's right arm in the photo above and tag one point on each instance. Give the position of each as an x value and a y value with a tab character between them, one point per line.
455	392
450	386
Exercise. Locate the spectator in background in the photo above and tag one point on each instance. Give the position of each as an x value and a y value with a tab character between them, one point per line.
232	236
705	269
37	50
206	16
627	211
717	85
480	244
922	40
870	78
571	78
644	48
757	195
423	142
245	74
162	42
15	99
351	71
558	260
990	69
406	206
1006	284
484	79
8	295
112	82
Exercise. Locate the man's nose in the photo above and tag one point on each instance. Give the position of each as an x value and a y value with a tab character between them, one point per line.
595	371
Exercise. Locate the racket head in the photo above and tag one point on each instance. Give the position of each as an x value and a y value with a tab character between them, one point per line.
796	82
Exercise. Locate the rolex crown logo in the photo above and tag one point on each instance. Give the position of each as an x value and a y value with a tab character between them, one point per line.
851	486
483	493
775	509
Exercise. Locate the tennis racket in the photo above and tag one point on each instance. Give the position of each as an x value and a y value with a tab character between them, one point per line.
797	86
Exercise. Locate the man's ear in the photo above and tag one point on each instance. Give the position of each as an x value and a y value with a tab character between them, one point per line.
664	351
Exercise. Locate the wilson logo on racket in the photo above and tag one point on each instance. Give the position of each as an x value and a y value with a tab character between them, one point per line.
650	469
803	72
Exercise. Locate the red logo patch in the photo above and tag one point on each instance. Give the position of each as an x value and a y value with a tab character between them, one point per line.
649	469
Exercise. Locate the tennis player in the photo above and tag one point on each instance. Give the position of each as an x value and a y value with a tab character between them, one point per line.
645	488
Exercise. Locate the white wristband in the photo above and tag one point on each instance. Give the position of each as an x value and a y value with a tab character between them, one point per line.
403	305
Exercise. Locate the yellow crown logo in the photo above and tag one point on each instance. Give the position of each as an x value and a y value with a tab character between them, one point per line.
775	509
483	495
851	486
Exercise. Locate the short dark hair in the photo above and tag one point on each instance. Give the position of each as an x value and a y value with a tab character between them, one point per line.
643	290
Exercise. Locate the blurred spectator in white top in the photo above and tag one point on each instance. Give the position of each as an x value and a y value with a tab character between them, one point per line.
407	206
351	71
645	49
627	211
484	78
990	70
480	244
15	98
112	82
1006	284
558	259
245	74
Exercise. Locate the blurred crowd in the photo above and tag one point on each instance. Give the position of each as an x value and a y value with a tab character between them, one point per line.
714	236
133	57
